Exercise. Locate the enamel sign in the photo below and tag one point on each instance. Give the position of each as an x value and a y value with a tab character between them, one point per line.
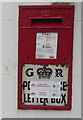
44	84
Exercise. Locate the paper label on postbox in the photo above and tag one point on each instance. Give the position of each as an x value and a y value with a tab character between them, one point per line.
46	45
45	89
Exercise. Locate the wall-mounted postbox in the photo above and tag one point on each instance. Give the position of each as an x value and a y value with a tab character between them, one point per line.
45	57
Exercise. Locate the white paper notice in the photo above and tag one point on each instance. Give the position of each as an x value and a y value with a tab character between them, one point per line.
46	45
45	89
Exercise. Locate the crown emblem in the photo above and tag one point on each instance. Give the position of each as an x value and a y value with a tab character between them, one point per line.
32	85
32	93
44	72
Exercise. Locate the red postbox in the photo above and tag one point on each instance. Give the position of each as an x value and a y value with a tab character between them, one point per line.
45	57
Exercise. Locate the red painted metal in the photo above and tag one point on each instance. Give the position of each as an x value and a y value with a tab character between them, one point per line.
33	19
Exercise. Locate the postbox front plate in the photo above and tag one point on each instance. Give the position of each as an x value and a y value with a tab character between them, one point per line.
45	57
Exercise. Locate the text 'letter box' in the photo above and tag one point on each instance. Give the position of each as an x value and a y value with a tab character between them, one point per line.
45	57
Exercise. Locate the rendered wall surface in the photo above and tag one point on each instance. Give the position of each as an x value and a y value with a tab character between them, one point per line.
10	67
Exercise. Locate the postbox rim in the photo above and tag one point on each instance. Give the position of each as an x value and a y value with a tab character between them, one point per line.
47	6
